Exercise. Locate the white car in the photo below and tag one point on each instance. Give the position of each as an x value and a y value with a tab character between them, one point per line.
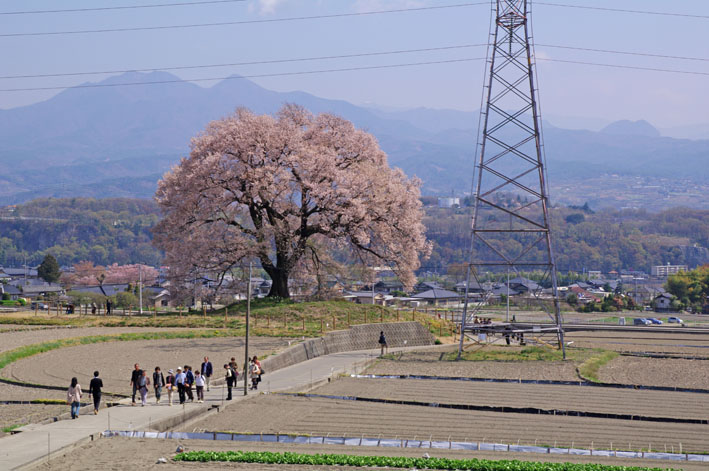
674	320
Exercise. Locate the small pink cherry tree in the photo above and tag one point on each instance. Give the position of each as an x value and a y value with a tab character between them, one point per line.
269	187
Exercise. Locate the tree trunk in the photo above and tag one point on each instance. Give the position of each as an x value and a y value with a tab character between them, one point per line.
279	288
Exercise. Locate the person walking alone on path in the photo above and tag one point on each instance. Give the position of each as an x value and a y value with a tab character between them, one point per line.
207	371
199	385
158	384
180	382
383	342
134	377
73	397
170	385
189	381
95	389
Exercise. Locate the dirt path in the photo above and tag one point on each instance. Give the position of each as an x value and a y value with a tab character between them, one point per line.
118	454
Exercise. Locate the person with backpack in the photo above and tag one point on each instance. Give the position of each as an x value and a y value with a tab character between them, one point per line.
73	397
230	380
383	342
170	385
95	389
158	384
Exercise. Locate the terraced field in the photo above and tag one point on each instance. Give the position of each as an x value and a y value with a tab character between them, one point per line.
289	414
549	397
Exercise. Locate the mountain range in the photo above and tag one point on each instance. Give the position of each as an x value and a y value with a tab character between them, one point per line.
115	140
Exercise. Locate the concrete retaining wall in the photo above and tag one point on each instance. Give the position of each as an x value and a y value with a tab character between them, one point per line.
358	337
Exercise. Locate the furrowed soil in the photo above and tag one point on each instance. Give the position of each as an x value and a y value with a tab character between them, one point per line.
114	360
118	454
293	414
657	372
548	397
14	336
20	414
641	342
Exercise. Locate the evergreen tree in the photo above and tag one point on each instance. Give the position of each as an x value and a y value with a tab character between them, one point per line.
49	269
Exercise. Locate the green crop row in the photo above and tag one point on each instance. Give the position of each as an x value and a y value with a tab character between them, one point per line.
393	462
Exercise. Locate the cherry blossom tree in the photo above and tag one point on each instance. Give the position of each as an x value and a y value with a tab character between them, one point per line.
267	187
87	274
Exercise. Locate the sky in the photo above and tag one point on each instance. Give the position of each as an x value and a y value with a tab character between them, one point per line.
571	90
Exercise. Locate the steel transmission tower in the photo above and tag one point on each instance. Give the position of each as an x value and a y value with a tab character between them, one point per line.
510	223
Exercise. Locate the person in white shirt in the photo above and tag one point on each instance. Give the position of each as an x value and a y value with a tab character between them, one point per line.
199	385
180	382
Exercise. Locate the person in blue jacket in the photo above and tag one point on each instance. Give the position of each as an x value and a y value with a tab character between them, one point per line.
206	371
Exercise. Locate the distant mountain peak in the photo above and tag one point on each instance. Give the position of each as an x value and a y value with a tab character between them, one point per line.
631	128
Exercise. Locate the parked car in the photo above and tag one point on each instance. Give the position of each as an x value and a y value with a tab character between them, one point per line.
641	321
674	320
37	305
655	320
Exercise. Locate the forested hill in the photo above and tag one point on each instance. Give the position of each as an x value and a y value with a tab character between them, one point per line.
117	230
605	240
104	231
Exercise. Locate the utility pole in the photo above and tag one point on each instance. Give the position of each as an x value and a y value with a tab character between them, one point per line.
510	160
140	286
246	342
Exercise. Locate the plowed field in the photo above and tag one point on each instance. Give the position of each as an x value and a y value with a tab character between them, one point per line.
578	398
339	417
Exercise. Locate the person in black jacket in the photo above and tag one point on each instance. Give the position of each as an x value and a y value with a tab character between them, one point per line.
95	390
158	383
206	370
134	377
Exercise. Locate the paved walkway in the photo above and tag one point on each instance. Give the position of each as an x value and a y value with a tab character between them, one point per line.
36	442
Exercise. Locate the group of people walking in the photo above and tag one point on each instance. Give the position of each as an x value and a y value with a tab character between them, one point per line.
187	382
181	379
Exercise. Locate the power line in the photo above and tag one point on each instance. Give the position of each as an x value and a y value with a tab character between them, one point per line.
340	56
274	61
623	10
241	22
120	7
232	77
618	66
628	53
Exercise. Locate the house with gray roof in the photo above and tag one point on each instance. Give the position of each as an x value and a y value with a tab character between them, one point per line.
438	297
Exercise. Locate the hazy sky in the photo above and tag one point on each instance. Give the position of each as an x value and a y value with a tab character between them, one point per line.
665	99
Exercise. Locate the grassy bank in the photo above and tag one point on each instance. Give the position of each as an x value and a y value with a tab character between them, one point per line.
268	318
588	370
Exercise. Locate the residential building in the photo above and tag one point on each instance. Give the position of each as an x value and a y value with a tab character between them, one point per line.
667	270
438	297
663	302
